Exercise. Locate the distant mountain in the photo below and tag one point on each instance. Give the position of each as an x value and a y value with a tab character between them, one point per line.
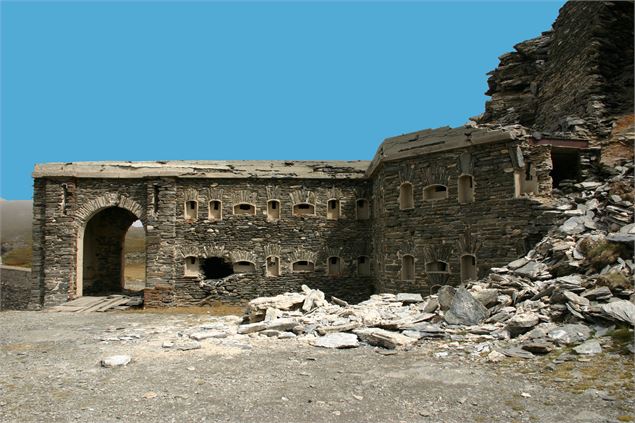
15	220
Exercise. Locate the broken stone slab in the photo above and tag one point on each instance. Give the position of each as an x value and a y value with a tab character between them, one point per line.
430	305
257	308
621	310
531	270
517	263
199	336
187	345
407	298
278	324
116	361
347	327
576	299
590	347
465	309
622	238
336	340
517	352
384	338
599	293
572	226
314	298
521	323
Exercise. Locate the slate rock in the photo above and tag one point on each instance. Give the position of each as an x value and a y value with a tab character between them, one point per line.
199	336
445	294
531	270
621	310
570	334
384	338
487	297
187	345
538	347
465	309
521	323
599	293
590	347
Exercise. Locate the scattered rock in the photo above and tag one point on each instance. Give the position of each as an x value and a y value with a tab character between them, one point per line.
337	340
465	309
116	361
590	347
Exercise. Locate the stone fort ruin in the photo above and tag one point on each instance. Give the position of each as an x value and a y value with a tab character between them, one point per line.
433	207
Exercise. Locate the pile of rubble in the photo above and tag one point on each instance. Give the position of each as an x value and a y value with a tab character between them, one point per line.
575	284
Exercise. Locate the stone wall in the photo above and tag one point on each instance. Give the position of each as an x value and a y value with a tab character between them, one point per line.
573	81
15	287
495	228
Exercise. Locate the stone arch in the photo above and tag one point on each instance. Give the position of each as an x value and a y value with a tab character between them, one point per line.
101	225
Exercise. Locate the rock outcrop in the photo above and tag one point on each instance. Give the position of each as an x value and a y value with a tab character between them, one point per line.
572	81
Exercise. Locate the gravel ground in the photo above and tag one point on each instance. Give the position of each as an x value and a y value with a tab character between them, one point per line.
50	371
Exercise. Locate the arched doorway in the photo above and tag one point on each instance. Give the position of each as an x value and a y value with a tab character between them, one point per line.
100	252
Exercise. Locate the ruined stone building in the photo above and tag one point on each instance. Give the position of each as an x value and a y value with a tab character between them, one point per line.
433	207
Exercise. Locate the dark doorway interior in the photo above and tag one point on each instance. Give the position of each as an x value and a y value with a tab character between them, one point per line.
216	268
566	165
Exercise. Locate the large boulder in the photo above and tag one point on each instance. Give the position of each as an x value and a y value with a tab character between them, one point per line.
465	309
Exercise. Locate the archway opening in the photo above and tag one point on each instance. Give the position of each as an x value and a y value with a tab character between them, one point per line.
135	257
101	254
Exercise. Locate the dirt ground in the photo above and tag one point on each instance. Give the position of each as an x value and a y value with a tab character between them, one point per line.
50	371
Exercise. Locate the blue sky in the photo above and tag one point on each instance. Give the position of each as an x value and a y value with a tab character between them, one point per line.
85	81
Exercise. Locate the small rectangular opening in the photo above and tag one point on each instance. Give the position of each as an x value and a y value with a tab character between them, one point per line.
192	267
244	209
302	266
215	210
273	266
468	267
466	189
333	210
435	192
334	267
406	196
273	210
303	209
363	266
407	268
191	210
363	209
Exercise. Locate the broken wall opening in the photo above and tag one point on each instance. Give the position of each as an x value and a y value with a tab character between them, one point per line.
100	255
216	268
565	165
525	180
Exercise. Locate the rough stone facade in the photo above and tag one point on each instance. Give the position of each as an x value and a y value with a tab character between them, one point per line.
574	80
433	207
340	227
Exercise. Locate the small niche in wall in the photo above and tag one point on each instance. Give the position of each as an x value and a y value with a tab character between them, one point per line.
273	210
435	192
334	266
215	210
406	196
245	209
525	181
363	266
303	209
244	267
437	266
466	189
407	268
191	210
192	267
362	209
468	267
273	266
333	209
302	266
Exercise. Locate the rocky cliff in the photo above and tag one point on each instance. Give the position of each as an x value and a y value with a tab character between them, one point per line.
575	80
